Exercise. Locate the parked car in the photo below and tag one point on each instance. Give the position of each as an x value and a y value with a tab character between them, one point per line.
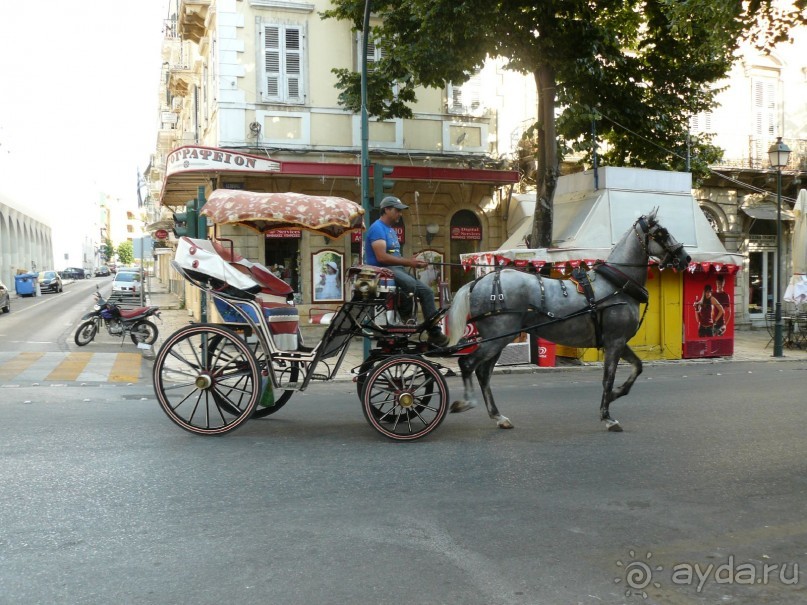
102	271
126	282
5	298
73	273
49	281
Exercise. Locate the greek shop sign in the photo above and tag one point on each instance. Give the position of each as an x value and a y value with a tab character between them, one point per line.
193	159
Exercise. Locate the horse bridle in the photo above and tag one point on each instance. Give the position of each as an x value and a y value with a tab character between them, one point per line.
660	235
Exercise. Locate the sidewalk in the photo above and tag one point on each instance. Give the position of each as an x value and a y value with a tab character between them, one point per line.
749	345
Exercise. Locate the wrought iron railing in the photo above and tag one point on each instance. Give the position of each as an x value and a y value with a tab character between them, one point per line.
756	155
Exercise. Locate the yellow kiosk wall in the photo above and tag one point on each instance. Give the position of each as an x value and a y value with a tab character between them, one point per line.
660	335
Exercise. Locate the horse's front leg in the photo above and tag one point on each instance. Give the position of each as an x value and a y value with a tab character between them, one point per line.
483	373
469	400
612	355
636	363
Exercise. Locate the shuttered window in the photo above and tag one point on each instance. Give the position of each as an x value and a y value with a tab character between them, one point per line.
466	98
283	58
765	116
374	54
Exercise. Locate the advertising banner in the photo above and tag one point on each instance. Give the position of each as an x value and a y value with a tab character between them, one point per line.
708	314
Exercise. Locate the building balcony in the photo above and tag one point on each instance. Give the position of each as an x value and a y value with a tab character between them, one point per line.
753	155
192	18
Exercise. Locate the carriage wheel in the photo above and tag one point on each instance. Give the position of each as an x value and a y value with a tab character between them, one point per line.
405	398
207	386
293	371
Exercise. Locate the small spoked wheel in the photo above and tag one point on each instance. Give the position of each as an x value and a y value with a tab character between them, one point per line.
207	379
405	397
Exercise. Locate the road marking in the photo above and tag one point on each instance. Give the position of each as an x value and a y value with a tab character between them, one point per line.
19	364
64	367
126	367
71	367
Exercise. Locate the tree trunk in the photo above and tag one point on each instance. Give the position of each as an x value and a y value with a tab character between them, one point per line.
547	170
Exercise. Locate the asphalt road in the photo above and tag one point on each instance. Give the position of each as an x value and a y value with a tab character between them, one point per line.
104	500
47	322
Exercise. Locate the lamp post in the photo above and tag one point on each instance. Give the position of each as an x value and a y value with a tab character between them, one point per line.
778	155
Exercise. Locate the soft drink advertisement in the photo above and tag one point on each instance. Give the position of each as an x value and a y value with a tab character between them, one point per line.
708	314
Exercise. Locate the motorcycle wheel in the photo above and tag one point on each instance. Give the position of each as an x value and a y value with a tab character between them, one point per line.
86	332
144	331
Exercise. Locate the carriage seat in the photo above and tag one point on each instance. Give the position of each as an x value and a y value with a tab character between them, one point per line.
283	320
273	289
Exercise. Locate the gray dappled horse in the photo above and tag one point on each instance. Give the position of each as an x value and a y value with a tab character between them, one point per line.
504	302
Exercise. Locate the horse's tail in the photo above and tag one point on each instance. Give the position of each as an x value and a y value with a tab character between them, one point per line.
458	314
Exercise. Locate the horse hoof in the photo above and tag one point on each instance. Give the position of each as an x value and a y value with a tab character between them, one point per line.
613	426
504	423
461	406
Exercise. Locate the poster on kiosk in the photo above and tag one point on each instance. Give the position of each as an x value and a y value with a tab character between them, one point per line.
708	314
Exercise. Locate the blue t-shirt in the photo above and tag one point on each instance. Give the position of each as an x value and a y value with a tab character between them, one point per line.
378	230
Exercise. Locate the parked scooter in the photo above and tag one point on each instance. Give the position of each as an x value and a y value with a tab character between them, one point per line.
118	322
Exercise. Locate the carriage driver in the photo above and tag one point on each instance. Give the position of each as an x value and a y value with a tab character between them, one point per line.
382	249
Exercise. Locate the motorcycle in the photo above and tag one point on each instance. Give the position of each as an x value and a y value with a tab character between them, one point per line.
118	322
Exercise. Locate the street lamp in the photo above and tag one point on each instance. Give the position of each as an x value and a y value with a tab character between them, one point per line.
778	155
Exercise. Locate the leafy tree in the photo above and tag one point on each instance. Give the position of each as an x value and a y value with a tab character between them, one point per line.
107	250
638	69
126	253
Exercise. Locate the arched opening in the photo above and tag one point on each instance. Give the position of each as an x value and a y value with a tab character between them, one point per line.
466	235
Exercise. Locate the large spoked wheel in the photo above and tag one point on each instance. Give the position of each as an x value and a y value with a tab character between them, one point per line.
144	331
86	332
207	387
405	398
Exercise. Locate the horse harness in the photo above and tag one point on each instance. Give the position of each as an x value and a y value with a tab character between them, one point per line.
580	278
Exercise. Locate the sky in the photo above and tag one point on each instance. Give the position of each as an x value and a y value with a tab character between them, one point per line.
79	98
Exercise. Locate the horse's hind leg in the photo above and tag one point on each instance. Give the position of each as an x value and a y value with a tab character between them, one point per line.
483	373
609	393
468	401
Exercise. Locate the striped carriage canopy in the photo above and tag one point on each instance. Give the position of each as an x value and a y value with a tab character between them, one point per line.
325	215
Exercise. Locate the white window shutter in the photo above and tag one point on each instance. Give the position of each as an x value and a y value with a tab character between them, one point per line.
466	98
283	64
294	65
272	63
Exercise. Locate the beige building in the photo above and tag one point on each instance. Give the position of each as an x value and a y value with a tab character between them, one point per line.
249	102
763	98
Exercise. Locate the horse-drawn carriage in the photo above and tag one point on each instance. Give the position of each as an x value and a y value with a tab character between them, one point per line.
210	378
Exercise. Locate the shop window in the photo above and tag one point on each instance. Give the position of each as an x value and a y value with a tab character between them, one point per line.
283	258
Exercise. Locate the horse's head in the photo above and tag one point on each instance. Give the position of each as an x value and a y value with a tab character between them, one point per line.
659	243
